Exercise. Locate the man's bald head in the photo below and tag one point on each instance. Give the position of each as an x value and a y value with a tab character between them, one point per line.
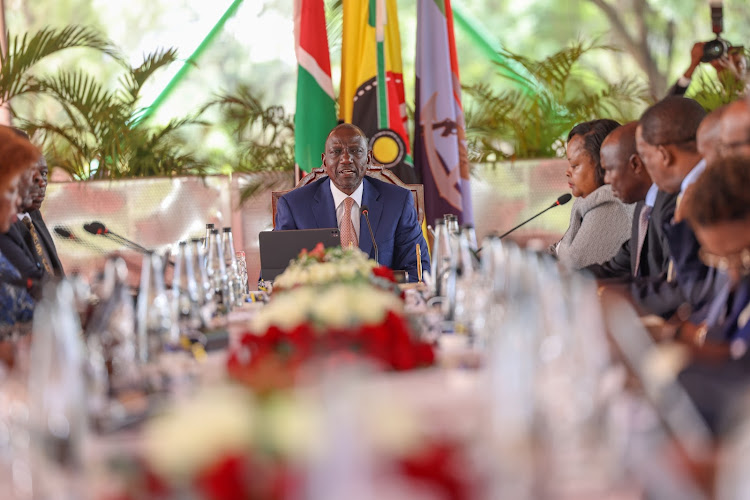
735	129
623	168
708	138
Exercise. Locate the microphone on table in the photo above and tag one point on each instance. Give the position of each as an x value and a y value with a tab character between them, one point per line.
98	228
364	211
66	233
562	200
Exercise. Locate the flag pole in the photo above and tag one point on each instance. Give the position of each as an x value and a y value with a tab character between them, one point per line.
189	63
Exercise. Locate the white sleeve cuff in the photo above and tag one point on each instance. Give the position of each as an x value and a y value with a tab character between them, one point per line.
684	81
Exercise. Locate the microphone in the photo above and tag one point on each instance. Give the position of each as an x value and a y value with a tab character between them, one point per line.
364	211
562	200
97	228
66	233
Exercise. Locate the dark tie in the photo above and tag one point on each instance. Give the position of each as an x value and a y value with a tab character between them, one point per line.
38	245
643	218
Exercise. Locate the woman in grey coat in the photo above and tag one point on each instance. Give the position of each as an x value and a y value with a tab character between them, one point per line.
599	222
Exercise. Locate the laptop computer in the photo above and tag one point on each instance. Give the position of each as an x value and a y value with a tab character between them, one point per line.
277	248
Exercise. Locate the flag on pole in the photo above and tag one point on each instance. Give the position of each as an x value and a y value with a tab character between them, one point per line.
440	143
316	105
372	85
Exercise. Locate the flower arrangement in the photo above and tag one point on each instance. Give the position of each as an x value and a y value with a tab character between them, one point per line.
226	445
323	266
354	319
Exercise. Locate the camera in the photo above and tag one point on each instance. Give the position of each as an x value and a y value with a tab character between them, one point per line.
716	48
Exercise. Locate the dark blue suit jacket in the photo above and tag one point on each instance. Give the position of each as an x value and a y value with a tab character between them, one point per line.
392	215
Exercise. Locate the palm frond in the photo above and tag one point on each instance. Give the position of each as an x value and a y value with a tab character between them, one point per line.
132	82
510	123
26	51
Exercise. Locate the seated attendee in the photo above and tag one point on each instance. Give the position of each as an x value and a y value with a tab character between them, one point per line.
708	136
28	244
33	223
717	207
599	222
336	200
642	255
16	155
735	129
666	141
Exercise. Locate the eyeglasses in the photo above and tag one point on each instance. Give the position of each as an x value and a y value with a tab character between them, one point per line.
739	261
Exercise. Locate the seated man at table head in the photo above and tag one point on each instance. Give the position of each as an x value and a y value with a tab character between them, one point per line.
625	173
336	201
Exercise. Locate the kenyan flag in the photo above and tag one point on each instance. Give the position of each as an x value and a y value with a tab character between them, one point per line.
316	105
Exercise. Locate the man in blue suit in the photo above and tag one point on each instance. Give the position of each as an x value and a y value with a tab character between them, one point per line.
337	201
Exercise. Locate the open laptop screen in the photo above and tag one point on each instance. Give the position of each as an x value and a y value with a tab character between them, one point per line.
277	248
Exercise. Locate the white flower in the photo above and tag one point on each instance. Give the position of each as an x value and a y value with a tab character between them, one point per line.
217	421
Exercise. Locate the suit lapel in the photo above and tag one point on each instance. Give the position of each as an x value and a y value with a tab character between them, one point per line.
46	237
370	199
323	209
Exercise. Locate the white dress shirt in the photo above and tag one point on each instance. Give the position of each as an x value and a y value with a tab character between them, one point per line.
692	176
338	202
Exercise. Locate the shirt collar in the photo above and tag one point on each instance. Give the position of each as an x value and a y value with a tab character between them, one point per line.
651	195
693	175
339	196
23	215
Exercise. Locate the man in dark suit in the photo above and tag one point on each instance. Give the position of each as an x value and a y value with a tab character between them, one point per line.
625	172
32	211
28	244
336	201
666	141
717	207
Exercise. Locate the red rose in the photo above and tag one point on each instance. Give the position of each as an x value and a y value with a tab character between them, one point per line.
227	479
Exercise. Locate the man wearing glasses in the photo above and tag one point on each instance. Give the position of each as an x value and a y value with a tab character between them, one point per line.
718	209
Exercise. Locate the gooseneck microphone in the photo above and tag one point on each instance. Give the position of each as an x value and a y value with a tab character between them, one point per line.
97	228
364	211
562	200
66	233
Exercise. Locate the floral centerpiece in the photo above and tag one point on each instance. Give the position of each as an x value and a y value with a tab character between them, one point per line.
349	319
223	444
323	266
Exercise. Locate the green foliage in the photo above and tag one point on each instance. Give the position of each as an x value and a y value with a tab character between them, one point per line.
94	137
25	52
712	92
264	137
510	123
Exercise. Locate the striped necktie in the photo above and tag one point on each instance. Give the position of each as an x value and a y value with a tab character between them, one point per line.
38	245
348	235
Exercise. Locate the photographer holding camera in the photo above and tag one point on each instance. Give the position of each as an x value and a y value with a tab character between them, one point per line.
728	61
732	59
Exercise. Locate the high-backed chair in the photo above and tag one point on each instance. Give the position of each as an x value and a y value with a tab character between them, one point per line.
380	173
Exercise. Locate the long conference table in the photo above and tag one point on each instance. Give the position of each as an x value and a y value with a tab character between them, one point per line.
453	400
